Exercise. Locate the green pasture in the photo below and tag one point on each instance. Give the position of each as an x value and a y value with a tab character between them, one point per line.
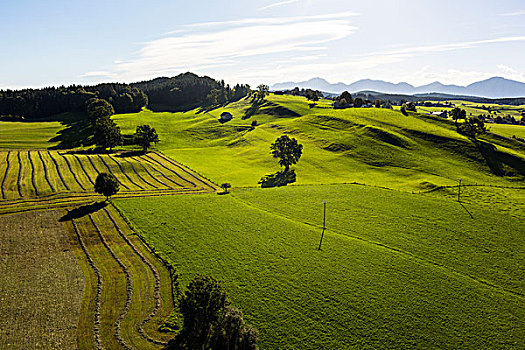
373	146
396	270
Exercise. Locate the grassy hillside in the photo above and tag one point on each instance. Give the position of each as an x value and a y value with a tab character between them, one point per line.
373	146
396	270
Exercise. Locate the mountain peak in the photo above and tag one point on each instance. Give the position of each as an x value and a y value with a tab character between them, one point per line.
495	87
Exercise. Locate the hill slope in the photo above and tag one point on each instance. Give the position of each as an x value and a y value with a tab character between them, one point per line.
372	146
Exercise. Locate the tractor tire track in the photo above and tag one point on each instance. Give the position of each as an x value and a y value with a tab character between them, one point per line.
58	171
72	172
156	275
171	170
84	169
46	172
129	287
150	174
98	299
5	174
138	174
109	169
125	174
32	173
153	166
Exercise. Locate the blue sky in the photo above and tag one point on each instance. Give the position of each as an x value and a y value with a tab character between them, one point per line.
59	42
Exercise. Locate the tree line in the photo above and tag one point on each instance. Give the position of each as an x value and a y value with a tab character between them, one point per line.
49	101
185	91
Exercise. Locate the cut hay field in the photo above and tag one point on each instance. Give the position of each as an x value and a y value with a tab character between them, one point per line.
396	271
45	178
41	284
80	279
128	291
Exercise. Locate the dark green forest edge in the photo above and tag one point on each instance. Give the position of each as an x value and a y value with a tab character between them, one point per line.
375	230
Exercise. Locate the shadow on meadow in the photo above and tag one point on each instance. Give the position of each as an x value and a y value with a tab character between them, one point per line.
77	133
82	211
279	179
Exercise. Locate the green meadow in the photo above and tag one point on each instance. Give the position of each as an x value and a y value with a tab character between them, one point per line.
372	146
396	270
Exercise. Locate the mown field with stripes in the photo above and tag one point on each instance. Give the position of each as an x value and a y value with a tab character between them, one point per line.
40	178
64	248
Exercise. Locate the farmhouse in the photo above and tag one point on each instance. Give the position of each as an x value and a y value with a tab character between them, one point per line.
225	117
442	114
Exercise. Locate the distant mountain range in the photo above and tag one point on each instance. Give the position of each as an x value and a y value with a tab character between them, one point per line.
492	88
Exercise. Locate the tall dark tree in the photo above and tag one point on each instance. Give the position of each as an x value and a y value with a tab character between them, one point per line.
232	333
145	135
288	150
202	306
107	133
98	108
107	185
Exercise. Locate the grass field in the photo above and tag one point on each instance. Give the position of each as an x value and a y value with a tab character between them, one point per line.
396	270
371	146
41	284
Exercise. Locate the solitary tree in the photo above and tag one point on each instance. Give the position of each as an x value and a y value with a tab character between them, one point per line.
262	91
288	150
107	185
472	127
457	113
225	186
145	135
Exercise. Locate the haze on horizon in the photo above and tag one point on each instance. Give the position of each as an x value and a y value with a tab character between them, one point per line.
265	41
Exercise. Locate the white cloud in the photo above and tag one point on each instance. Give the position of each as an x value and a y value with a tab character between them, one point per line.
97	74
516	13
206	46
281	3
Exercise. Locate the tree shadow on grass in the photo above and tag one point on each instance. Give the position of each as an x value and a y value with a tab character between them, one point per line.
279	179
78	133
82	211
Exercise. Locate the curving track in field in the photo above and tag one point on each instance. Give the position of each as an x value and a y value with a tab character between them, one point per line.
119	319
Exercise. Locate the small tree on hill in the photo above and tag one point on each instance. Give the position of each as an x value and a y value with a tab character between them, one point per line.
225	186
107	185
145	135
457	113
288	150
472	127
262	91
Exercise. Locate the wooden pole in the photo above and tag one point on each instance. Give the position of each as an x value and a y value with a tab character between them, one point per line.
459	190
324	225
